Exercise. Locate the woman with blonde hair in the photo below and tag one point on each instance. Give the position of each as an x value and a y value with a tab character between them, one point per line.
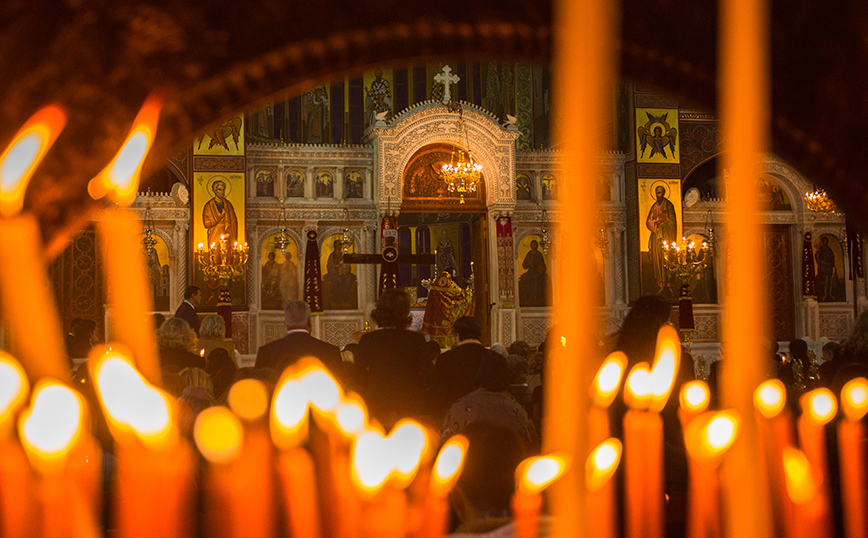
212	334
177	341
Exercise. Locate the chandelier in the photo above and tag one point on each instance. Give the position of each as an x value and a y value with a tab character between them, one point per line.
546	242
346	234
462	174
221	261
685	258
148	241
819	202
281	241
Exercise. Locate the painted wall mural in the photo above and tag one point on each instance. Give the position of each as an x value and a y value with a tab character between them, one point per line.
534	282
339	280
829	268
157	270
657	135
659	220
280	279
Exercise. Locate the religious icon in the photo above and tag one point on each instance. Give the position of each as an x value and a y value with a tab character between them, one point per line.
218	215
324	184
549	187
295	184
772	196
264	183
340	286
534	287
378	99
660	205
657	135
157	269
354	183
227	139
279	283
315	115
829	264
523	190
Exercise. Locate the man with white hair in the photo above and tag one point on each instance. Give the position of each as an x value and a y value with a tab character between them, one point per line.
298	343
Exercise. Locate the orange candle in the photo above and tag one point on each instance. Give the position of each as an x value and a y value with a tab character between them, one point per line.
693	401
447	469
744	107
818	408
707	437
584	96
637	423
533	475
26	294
803	488
122	253
851	453
15	501
603	393
599	468
383	508
154	464
776	433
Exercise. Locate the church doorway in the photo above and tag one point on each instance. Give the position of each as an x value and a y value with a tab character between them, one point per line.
461	244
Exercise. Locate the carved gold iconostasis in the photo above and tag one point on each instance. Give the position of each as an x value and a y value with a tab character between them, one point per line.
280	281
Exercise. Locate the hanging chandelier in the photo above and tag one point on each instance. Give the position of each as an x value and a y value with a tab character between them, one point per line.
819	202
347	234
149	242
281	240
462	174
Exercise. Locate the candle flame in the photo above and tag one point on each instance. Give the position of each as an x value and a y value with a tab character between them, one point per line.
119	180
131	403
802	485
351	416
371	462
665	367
289	409
769	398
408	443
448	466
535	474
694	397
819	406
602	463
248	399
52	423
23	155
637	393
721	431
13	386
218	434
854	398
608	379
322	390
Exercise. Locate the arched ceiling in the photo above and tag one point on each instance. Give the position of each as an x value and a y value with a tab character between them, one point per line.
100	59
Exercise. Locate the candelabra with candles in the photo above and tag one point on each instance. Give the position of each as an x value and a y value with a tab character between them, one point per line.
686	259
819	202
222	262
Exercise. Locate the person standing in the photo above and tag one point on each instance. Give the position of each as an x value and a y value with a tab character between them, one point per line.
458	369
298	343
187	309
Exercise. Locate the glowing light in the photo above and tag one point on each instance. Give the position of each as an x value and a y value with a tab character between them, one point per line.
408	443
608	379
694	396
23	155
289	413
854	398
602	463
119	180
769	398
448	465
721	431
819	406
52	423
371	462
637	393
248	399
13	386
321	388
218	434
537	473
131	403
665	367
802	485
351	416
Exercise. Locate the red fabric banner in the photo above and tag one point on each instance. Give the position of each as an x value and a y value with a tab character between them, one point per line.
809	277
312	274
857	267
505	260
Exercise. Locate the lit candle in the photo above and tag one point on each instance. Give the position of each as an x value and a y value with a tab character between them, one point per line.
599	468
26	298
707	437
744	108
603	392
803	488
154	464
776	433
447	469
819	407
15	501
122	253
693	401
533	475
289	427
637	423
851	453
51	431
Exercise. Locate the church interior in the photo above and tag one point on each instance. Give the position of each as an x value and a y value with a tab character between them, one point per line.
704	154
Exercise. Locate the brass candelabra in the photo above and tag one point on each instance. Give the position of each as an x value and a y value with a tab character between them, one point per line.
686	259
221	261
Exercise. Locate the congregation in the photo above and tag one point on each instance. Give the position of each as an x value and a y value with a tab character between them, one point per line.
491	395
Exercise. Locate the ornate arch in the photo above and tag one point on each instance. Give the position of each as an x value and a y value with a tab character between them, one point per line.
430	123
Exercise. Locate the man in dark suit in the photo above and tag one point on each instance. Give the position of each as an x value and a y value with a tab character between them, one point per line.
187	310
298	343
458	369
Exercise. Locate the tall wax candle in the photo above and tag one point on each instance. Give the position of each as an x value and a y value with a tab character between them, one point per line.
447	469
851	453
776	433
15	500
603	391
599	469
533	475
818	408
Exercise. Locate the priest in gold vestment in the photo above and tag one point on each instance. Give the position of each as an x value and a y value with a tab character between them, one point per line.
447	301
